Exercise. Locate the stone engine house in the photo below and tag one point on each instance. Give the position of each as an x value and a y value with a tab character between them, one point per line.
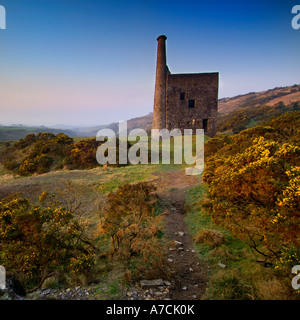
184	101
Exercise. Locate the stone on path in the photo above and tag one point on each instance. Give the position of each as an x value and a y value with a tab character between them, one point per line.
151	283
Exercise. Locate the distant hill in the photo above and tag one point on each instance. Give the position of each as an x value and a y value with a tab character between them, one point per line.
13	133
144	122
257	99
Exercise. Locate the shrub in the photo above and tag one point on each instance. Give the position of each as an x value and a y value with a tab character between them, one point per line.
209	236
41	241
254	186
134	227
230	285
10	164
46	151
83	155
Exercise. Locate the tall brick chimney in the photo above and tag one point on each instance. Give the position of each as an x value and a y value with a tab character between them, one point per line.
159	112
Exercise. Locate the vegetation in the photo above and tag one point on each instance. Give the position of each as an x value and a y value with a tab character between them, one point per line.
234	271
37	242
46	239
250	116
134	227
13	133
244	218
46	152
253	181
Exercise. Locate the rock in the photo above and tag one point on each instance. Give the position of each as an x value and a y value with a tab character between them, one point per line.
46	292
180	249
181	233
170	260
221	265
177	243
191	269
167	283
151	283
129	294
193	251
194	296
184	288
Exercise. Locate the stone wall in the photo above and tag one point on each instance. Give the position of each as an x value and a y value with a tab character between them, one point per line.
192	101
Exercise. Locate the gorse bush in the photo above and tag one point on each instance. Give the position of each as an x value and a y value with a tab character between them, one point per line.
82	155
44	152
254	185
37	153
134	227
35	242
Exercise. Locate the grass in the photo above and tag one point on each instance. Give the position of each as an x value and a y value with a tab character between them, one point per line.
252	123
198	219
115	177
110	286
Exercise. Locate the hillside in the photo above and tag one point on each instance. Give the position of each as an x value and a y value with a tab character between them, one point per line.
248	117
257	99
12	133
144	122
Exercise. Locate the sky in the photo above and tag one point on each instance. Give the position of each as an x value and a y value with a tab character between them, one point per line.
92	62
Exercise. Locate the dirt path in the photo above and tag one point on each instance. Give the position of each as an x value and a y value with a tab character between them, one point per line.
190	274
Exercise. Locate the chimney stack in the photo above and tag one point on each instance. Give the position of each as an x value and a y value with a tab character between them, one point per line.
159	114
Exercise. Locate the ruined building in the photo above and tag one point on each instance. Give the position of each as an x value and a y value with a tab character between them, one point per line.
184	101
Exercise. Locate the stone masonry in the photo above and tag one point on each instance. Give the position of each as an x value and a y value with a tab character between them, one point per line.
184	101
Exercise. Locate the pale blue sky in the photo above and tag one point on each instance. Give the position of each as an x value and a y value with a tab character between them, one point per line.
92	62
